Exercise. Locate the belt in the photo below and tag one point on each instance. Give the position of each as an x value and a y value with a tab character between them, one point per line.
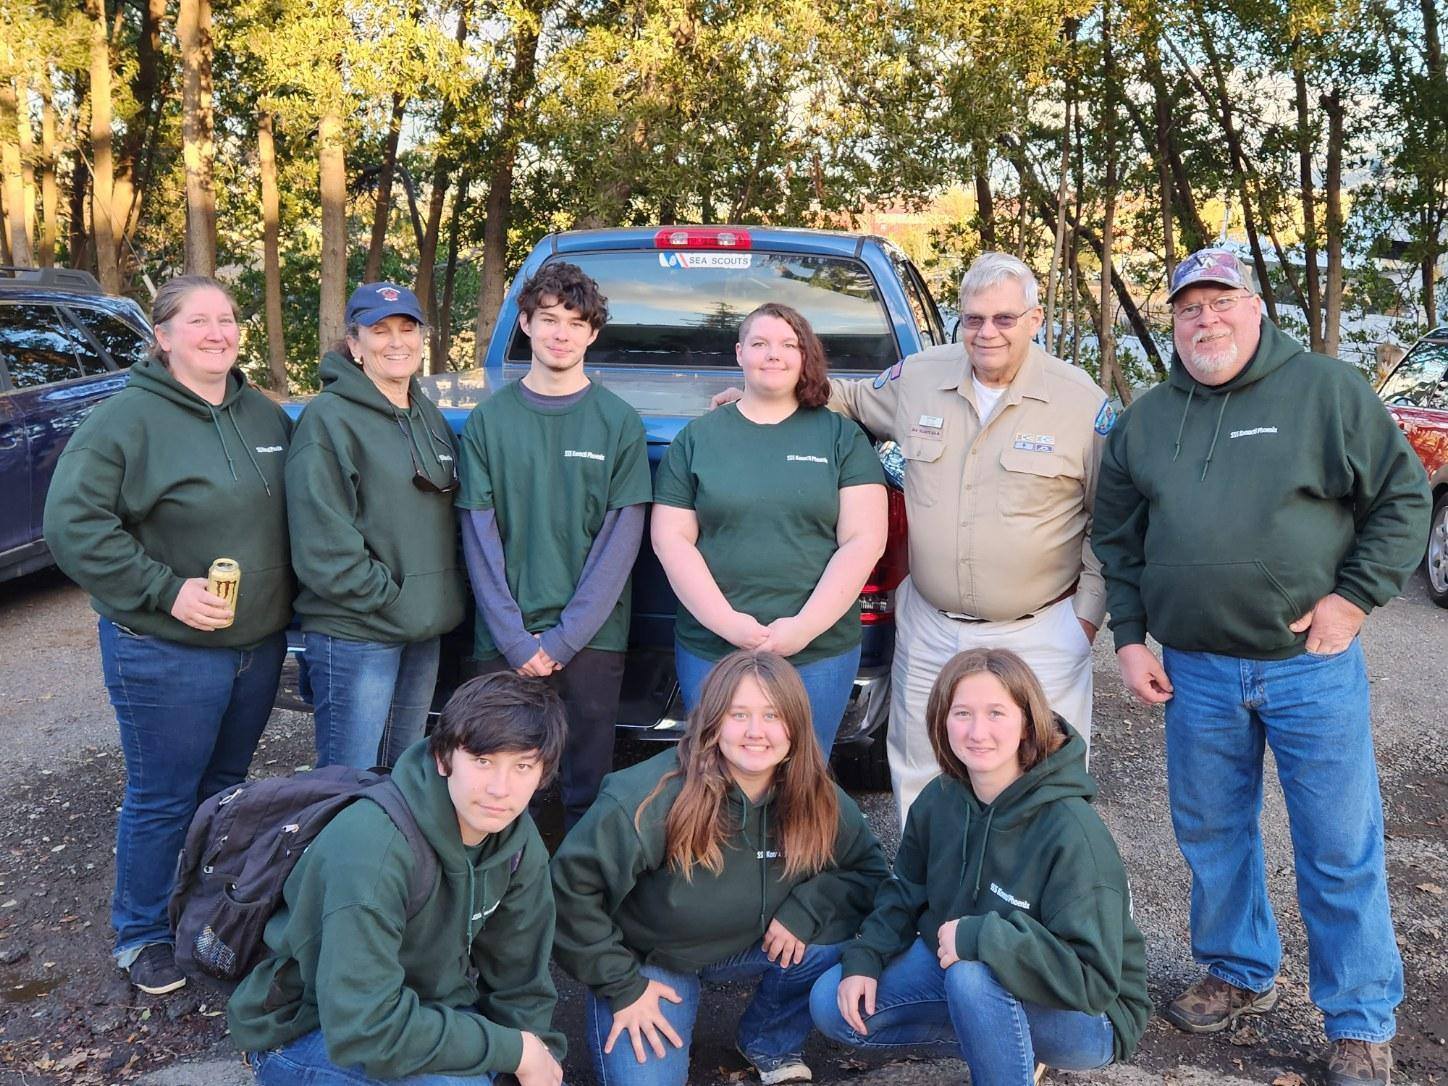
960	617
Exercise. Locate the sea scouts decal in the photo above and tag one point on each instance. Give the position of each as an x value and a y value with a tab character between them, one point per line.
1105	419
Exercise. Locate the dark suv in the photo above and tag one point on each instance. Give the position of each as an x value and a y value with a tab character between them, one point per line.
65	345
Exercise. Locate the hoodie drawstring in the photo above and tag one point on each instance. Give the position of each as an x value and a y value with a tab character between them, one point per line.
980	860
1177	448
763	859
230	463
245	445
1215	434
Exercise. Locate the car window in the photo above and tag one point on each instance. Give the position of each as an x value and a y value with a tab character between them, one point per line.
124	344
1418	380
39	348
675	308
921	311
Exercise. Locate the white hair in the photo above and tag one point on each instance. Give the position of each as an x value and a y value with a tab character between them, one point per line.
992	269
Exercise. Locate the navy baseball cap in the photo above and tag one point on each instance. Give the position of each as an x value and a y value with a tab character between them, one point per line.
371	302
1219	266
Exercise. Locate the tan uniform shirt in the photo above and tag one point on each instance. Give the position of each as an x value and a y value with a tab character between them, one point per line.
1000	514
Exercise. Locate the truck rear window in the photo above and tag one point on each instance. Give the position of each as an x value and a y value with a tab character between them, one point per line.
683	308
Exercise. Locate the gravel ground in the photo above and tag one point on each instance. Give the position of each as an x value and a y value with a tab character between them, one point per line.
67	1017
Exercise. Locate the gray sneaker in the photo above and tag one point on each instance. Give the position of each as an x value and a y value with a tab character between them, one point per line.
154	970
775	1070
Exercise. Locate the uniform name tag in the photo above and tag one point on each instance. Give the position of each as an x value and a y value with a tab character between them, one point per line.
932	422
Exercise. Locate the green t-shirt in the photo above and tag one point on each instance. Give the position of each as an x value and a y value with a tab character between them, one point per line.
768	502
550	476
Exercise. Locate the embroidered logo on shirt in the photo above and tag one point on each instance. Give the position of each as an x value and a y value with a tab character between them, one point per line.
583	454
767	855
271	448
1036	442
1254	431
444	458
892	374
808	459
1105	419
1005	895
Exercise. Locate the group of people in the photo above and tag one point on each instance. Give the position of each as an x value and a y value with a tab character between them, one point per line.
1247	513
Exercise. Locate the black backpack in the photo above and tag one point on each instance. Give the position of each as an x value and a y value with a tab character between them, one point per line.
243	843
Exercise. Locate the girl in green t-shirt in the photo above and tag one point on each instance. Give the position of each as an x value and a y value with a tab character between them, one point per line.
769	514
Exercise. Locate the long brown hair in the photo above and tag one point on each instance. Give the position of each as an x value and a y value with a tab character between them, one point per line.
1039	733
806	809
813	387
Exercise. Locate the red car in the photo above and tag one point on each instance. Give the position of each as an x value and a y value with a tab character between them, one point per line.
1416	395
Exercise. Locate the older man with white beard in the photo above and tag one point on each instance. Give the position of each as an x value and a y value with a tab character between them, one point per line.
1250	511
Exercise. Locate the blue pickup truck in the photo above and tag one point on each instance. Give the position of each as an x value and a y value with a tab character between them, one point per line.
676	296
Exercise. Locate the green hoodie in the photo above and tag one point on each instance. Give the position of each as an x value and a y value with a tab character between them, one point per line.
1038	887
156	484
377	558
1223	514
445	993
621	905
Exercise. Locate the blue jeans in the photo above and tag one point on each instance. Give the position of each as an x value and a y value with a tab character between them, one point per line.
964	1011
828	683
1313	710
304	1062
370	699
190	718
774	1025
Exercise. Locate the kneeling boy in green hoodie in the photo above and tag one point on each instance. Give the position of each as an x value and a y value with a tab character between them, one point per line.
356	992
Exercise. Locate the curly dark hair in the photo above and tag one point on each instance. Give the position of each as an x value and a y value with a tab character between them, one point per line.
559	281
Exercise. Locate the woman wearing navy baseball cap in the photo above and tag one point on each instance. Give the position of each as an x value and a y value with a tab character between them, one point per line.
370	477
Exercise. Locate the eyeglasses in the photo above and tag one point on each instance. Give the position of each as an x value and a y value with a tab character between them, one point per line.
1216	305
420	478
1003	321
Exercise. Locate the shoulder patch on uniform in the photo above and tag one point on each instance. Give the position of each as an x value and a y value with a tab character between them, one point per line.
1105	419
892	374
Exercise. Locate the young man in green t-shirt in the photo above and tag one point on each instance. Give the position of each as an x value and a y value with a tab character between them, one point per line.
555	477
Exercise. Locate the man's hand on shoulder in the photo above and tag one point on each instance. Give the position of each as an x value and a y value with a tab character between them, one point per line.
537	1067
1143	674
729	395
1331	624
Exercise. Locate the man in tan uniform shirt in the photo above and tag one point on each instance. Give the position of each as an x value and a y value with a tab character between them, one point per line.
1002	444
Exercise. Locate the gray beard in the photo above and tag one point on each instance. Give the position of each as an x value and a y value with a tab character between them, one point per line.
1204	365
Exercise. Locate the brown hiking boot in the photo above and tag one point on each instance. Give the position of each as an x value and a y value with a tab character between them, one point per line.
1360	1063
1211	1004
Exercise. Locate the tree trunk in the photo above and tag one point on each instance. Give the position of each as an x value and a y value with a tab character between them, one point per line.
103	225
1332	184
276	344
49	196
332	162
193	29
1307	195
1163	178
1058	251
500	185
984	205
444	352
442	171
373	270
26	135
17	236
81	245
1111	376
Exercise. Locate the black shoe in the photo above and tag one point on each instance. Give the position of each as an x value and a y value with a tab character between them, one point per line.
154	970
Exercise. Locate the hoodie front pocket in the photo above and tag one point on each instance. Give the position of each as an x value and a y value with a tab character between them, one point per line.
1217	606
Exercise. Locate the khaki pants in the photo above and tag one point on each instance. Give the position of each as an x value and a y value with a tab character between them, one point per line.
1051	642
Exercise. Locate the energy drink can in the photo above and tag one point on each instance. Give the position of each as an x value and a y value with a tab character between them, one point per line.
224	580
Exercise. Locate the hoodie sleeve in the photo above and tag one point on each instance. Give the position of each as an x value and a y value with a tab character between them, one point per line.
1391	502
594	869
1118	535
86	534
829	907
512	951
1072	957
372	1019
328	550
894	923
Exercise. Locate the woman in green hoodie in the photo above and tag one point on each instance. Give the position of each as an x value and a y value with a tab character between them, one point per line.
1006	934
370	478
182	467
733	857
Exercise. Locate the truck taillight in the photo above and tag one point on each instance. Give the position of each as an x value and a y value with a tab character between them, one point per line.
876	603
702	237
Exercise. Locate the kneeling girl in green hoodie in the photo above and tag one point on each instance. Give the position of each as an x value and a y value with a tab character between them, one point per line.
731	857
1005	935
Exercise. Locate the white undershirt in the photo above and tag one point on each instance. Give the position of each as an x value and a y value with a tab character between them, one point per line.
986	398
